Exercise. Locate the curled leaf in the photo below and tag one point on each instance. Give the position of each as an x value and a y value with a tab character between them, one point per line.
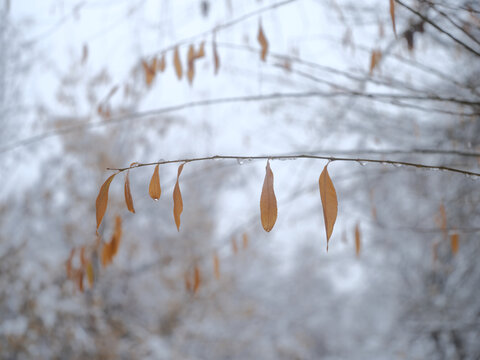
128	194
154	189
177	200
268	201
263	42
328	196
102	200
177	64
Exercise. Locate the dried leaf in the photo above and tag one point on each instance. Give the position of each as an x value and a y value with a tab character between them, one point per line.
191	64
454	243
245	240
201	51
197	280
150	71
128	194
263	42
216	58
375	60
162	63
154	189
83	260
177	63
234	245
216	266
268	201
102	200
357	240
106	254
177	200
392	15
117	236
90	274
328	196
80	280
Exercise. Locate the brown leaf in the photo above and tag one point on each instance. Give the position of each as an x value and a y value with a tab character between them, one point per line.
154	189
102	200
177	199
216	58
454	243
162	63
268	201
375	60
117	236
128	194
90	274
201	51
106	254
197	280
263	42
216	266
328	195
234	245
191	64
357	240
149	71
80	280
392	15
177	63
245	240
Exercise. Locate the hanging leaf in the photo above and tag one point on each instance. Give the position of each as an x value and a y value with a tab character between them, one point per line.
162	63
268	201
263	42
357	240
454	243
177	63
106	254
80	280
216	58
117	236
102	200
375	60
196	280
149	70
154	189
392	15
191	64
128	194
245	240
216	266
90	274
328	195
177	199
201	51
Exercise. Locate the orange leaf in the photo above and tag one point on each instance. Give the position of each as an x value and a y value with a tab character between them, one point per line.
178	64
454	243
106	254
197	280
375	60
328	196
177	200
392	15
154	188
357	240
245	240
102	200
268	201
216	266
117	236
128	194
263	42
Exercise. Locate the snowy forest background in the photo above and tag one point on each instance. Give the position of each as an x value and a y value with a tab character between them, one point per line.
75	99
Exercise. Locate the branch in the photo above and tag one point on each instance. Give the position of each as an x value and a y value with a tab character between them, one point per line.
361	161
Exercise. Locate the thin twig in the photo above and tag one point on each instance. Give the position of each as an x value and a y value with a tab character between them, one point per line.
302	156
